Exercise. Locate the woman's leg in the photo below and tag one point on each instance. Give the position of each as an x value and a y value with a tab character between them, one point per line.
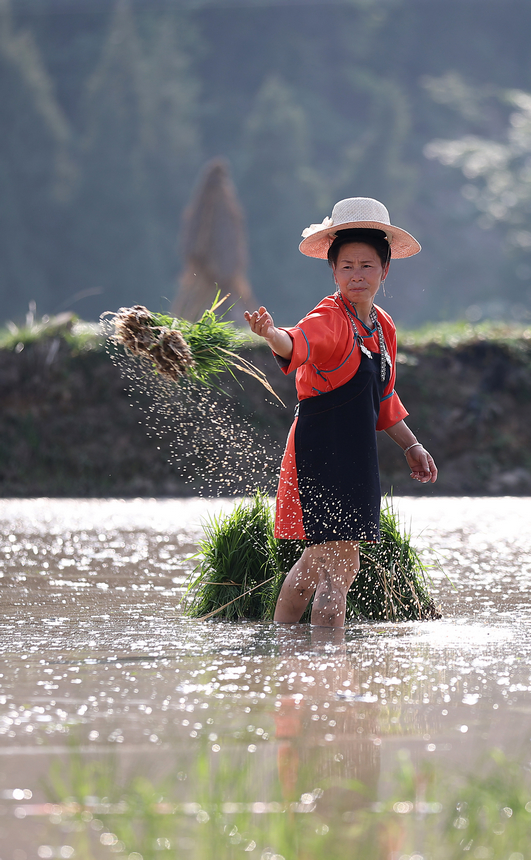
328	567
298	587
339	568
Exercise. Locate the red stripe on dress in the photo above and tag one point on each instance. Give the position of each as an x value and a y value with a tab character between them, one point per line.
288	519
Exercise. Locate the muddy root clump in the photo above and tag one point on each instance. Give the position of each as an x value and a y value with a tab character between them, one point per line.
136	329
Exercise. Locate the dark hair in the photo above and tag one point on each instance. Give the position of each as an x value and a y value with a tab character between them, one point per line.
375	238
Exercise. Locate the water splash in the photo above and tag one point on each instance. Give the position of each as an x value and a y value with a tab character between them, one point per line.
206	434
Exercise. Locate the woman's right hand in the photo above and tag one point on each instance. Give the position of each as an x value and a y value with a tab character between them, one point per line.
260	322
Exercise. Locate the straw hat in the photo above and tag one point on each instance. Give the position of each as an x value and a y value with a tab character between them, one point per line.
356	212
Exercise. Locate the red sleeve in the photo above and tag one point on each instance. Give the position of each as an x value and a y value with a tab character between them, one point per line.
315	339
391	408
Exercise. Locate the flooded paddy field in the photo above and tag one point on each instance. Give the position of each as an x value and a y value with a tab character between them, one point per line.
130	731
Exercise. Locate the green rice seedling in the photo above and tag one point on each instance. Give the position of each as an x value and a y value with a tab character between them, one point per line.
243	566
230	804
488	813
180	350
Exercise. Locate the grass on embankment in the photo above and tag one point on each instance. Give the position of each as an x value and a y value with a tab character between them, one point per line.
461	333
76	333
87	335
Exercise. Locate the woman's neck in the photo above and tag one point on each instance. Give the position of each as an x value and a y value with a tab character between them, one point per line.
362	310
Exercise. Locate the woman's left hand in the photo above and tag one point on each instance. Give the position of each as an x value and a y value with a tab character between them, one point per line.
422	465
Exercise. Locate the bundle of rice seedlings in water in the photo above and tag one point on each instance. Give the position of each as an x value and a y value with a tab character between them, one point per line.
392	584
243	566
180	350
236	562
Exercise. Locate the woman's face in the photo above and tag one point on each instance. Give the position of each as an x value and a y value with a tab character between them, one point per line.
359	273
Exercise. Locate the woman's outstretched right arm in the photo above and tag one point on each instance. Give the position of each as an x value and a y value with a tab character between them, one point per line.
261	323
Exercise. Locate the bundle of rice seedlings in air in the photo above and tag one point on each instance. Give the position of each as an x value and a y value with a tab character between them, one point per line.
177	349
243	565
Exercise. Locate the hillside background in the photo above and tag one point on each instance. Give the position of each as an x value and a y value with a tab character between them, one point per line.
109	110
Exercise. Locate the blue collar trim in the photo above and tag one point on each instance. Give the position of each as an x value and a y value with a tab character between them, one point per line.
366	327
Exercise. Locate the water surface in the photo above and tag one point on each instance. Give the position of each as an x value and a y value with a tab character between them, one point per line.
110	696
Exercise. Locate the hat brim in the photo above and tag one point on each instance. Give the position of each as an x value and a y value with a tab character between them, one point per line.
402	243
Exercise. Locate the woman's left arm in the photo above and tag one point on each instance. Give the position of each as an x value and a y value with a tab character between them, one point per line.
419	460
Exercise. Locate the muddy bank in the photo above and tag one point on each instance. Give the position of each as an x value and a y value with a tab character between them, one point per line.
69	426
470	404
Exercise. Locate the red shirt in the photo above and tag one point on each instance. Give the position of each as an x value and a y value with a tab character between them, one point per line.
326	354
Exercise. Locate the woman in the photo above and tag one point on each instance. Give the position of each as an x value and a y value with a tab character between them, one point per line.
344	352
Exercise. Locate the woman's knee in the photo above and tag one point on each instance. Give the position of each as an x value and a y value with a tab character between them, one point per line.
302	576
340	558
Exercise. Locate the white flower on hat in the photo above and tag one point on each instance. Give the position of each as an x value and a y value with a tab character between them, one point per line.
314	228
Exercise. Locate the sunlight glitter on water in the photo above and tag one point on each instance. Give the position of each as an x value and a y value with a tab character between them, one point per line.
98	658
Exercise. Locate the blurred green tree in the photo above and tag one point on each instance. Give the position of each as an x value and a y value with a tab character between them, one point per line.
173	148
137	160
36	170
108	109
278	188
112	245
497	174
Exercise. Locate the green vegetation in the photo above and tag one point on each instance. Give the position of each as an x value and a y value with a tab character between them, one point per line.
243	566
211	808
78	335
391	584
462	333
213	343
212	337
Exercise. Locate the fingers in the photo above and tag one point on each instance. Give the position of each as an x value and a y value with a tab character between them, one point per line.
423	477
260	321
423	468
430	469
429	473
248	316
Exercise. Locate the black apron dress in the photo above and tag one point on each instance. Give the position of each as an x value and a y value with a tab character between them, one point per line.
337	458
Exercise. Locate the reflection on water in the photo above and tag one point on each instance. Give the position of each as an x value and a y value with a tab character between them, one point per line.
129	731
